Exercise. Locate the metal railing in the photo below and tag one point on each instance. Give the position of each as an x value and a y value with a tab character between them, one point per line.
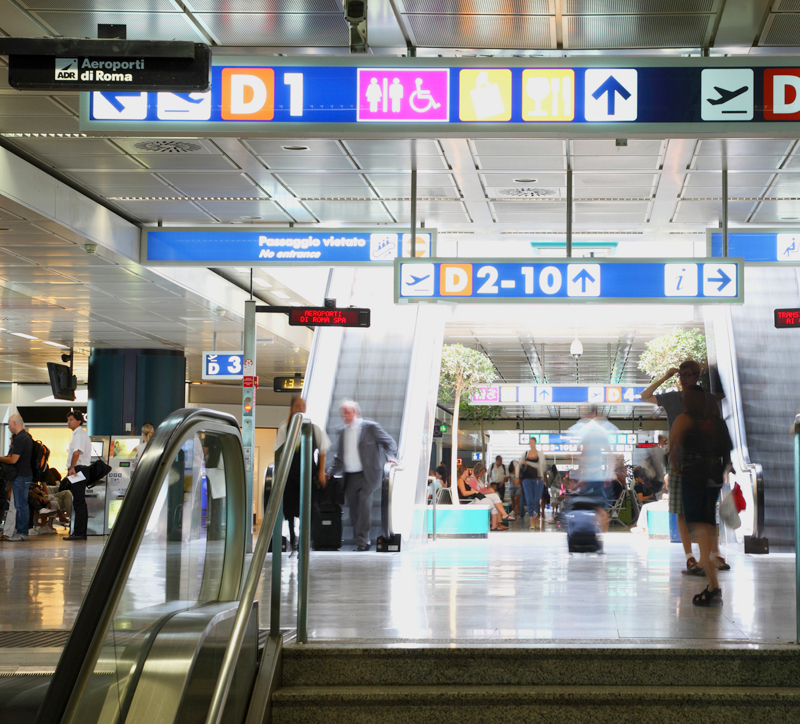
797	525
271	529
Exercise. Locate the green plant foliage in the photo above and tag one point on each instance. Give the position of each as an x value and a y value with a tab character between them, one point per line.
462	370
481	414
670	349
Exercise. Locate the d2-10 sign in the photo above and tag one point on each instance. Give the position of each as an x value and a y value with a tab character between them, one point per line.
689	281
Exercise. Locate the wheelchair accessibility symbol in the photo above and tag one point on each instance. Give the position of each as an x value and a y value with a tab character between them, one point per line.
422	94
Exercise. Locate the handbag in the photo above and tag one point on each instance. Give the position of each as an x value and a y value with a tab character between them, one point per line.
728	513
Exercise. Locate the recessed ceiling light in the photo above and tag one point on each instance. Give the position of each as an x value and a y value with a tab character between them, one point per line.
295	148
262	283
56	344
242	269
23	335
525	180
251	218
281	295
790	218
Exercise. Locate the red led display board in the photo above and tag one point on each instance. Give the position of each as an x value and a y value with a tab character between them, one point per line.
329	317
787	318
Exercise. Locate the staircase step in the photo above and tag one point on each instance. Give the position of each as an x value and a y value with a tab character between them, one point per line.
546	704
312	666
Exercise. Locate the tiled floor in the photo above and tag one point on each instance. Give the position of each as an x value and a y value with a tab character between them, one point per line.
515	587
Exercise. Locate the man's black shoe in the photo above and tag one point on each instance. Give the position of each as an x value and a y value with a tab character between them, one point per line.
362	548
75	537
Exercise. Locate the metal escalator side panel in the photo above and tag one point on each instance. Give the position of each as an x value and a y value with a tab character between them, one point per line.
176	681
100	625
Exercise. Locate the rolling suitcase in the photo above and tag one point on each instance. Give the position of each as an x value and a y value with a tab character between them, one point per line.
327	533
583	532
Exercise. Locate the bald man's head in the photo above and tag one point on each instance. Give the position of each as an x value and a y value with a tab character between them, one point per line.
15	424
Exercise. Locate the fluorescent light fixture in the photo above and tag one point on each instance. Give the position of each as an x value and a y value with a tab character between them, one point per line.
23	335
262	283
281	295
56	344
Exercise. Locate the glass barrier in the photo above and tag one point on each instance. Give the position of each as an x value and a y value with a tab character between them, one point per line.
178	566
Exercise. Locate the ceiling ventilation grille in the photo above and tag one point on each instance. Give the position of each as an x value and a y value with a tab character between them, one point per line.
525	192
168	146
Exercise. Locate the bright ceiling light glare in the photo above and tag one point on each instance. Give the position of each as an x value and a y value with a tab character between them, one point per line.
23	335
281	295
525	180
295	148
262	283
56	344
790	218
242	269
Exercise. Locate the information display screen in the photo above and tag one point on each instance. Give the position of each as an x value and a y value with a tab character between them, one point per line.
288	384
786	318
329	317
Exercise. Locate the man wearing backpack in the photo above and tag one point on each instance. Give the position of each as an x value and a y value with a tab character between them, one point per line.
20	457
79	454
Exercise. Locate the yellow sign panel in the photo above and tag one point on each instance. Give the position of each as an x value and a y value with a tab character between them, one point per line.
484	95
548	94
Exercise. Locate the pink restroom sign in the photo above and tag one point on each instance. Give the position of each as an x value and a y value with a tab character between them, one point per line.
392	94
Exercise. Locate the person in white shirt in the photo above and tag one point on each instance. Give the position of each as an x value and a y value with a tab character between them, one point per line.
498	476
79	453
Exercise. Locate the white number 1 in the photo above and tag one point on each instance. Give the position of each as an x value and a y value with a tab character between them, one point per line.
295	83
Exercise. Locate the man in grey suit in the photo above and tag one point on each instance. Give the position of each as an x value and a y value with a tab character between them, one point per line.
358	454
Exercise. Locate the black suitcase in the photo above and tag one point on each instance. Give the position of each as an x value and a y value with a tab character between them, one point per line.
327	533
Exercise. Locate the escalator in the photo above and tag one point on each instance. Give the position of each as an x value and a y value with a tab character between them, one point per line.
149	638
392	370
757	368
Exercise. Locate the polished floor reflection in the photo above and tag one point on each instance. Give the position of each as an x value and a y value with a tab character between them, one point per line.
513	587
519	587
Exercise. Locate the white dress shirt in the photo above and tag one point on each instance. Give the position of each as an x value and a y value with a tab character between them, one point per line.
352	435
80	441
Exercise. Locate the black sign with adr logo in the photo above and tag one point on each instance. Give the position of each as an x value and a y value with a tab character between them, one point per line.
113	73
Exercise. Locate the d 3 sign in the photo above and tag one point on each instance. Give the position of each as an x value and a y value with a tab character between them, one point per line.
248	94
455	280
782	94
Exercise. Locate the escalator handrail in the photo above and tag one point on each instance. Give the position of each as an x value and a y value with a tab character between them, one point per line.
739	436
76	663
250	586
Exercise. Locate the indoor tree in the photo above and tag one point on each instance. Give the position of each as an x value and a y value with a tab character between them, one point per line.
669	350
463	369
481	414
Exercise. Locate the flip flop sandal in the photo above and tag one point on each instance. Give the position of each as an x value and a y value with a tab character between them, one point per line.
708	599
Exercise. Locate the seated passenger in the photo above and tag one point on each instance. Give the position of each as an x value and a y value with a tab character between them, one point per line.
436	481
644	490
471	492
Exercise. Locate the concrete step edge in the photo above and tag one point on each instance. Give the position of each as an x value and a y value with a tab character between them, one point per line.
437	695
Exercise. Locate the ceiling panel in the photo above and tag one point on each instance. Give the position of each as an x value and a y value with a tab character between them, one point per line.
483	31
261	147
615	163
744	147
608	147
737	163
401	163
392	147
522	163
186	163
31	106
636	31
519	147
287	30
140	26
236	211
714	180
349	211
153	211
297	161
79	163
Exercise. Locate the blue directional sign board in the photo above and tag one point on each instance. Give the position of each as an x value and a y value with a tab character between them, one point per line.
557	395
222	365
552	443
201	247
779	247
303	95
674	281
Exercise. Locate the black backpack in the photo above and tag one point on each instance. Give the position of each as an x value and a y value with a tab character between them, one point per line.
40	457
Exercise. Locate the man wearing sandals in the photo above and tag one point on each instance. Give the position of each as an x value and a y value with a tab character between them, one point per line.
688	375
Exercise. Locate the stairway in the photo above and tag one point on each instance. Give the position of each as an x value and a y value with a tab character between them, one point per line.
334	683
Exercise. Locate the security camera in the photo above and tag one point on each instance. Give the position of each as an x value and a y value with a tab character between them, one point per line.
90	248
576	348
355	13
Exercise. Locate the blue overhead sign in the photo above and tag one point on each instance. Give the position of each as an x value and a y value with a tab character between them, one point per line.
222	365
557	395
296	94
693	281
765	246
552	443
202	247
